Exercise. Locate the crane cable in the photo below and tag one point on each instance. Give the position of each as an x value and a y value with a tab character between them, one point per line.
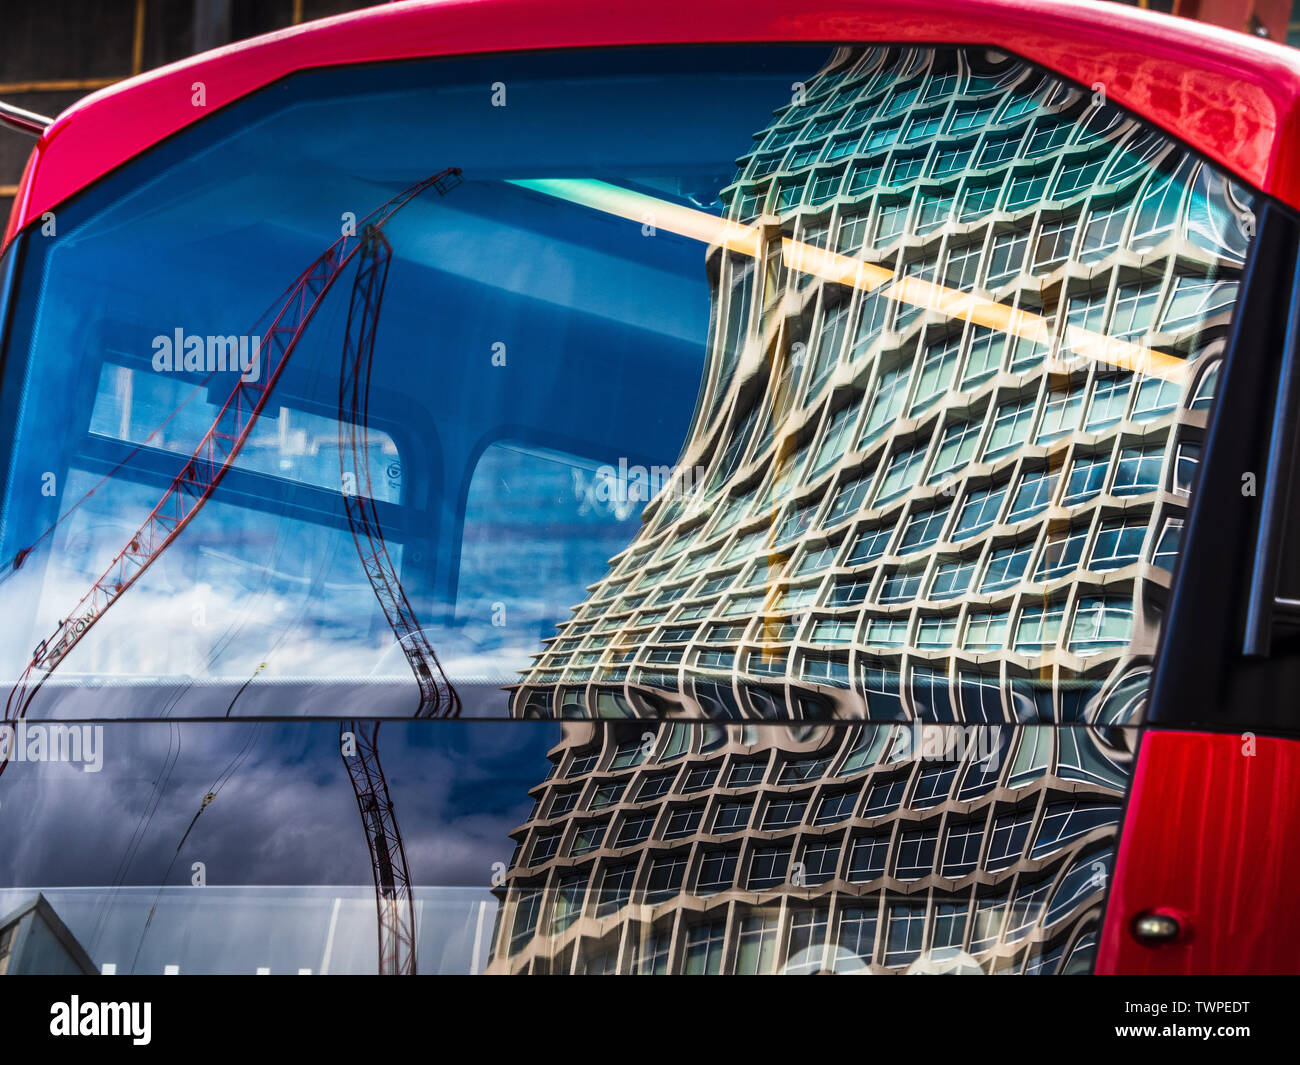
213	791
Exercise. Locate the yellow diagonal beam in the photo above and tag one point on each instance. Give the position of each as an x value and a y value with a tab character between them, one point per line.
651	211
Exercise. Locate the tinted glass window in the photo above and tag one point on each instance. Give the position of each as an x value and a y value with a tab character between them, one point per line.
837	381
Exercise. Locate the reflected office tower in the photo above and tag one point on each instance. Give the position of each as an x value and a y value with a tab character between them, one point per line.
967	324
705	848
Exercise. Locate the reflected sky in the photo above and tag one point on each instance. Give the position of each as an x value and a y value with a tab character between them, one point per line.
484	466
284	816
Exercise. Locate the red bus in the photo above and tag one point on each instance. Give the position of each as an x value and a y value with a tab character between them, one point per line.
806	488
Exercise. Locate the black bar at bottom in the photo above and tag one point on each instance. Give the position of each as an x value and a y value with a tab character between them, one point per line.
233	1014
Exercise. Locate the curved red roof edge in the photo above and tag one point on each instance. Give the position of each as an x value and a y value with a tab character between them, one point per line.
1230	96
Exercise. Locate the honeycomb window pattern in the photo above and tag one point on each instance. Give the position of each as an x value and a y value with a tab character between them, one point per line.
847	848
951	416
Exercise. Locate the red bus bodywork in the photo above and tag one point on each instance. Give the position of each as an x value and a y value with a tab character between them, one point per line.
1209	836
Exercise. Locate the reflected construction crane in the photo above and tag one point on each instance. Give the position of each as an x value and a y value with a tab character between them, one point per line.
437	697
396	913
198	479
394	907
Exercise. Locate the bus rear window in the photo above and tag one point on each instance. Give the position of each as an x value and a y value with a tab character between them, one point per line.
673	335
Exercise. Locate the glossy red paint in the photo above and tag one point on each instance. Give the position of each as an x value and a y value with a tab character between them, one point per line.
1209	838
1231	96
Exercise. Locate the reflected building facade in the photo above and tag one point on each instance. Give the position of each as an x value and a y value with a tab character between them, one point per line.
705	848
966	326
